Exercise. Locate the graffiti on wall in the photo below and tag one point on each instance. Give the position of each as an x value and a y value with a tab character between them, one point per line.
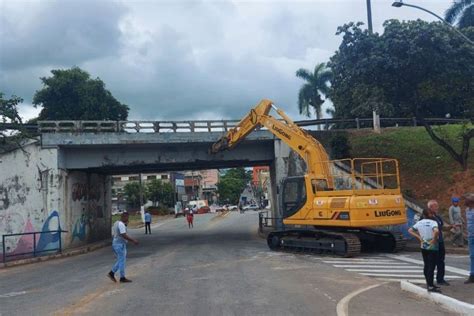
80	227
88	199
52	233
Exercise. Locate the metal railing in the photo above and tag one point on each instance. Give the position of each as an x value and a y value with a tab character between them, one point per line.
206	125
34	251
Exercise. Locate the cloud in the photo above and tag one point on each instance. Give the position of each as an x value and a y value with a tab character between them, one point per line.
59	32
181	59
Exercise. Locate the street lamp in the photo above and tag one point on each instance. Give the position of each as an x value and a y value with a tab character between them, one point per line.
399	4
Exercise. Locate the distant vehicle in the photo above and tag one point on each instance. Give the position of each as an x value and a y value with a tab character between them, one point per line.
201	205
117	212
232	207
251	207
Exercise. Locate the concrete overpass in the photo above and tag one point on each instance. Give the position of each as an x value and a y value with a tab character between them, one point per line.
62	179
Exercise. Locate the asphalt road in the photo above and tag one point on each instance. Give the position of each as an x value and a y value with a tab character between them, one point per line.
221	267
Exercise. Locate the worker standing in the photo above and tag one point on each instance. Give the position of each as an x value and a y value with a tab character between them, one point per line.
426	231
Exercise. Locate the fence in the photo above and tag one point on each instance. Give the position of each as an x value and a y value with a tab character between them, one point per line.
34	249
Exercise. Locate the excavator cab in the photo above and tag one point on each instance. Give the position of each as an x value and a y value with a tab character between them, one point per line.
293	195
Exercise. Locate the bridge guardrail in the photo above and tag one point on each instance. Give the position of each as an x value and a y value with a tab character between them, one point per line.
205	125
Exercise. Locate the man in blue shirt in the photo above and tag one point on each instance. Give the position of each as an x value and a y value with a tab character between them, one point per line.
147	223
469	201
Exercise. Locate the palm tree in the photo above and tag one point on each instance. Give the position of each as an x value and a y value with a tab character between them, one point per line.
461	11
310	93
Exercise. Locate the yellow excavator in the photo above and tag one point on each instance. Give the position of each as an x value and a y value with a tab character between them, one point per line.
339	207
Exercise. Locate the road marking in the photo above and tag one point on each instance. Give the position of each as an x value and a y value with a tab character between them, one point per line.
12	294
342	307
361	262
365	266
391	270
404	275
447	268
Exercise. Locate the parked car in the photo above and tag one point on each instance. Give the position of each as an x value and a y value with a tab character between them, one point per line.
232	207
251	207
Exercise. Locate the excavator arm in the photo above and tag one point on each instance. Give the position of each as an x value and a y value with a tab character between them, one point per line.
312	152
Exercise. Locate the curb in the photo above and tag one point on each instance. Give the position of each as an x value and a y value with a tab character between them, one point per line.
447	302
64	254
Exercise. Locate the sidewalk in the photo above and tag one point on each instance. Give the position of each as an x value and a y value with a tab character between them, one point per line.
458	297
63	254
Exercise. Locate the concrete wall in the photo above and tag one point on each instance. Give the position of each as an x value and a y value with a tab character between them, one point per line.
36	196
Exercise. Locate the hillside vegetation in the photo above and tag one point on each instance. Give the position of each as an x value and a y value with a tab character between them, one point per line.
427	171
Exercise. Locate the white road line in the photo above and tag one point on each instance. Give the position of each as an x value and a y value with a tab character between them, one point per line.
342	307
391	270
402	275
418	281
364	262
12	294
447	268
368	266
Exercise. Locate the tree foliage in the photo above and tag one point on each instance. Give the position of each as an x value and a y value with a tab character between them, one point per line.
414	68
72	95
461	13
158	191
10	138
232	184
316	84
132	194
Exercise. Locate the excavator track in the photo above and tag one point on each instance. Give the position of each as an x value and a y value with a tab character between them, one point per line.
315	241
345	243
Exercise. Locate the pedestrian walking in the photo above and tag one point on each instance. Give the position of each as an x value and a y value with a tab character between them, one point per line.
427	233
469	201
456	221
433	206
119	245
190	218
147	223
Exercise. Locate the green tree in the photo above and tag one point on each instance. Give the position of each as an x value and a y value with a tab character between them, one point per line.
72	95
461	13
231	185
310	93
10	137
132	194
158	191
414	68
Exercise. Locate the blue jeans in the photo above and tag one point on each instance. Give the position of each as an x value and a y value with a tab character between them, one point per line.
471	253
121	254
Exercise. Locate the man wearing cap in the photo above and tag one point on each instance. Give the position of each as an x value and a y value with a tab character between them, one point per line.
456	220
469	202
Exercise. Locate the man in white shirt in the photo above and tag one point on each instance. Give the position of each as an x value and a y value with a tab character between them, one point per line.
426	231
119	245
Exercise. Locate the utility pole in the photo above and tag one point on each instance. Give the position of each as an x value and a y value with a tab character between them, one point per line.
369	16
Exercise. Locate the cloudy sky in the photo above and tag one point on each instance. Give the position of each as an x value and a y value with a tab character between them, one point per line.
181	59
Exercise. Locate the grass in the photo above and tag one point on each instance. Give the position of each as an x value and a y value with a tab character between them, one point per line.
427	170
